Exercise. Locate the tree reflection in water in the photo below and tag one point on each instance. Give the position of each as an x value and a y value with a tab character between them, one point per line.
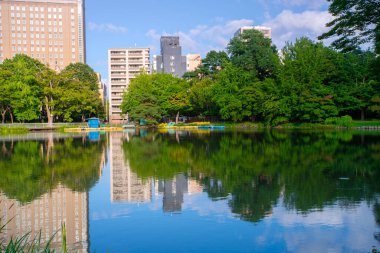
310	170
31	168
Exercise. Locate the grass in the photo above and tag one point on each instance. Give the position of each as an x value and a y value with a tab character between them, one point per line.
13	130
26	244
307	126
242	125
361	123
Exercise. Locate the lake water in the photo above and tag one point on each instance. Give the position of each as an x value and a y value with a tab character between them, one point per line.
272	191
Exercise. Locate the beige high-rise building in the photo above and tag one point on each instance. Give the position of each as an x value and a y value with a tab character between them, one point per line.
101	88
52	31
124	64
46	215
193	61
267	31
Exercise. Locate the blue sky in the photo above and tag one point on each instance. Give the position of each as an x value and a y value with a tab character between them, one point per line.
202	25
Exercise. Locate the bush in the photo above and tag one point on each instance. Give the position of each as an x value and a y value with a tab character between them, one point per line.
344	121
279	120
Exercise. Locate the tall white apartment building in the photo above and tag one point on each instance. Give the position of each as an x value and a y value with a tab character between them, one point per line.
52	31
124	64
267	31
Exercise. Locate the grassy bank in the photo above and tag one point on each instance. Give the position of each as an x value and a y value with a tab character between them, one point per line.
13	130
27	243
259	125
365	123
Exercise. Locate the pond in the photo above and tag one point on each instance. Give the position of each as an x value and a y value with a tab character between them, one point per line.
194	191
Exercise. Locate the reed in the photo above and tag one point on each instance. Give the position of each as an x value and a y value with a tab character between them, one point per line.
27	244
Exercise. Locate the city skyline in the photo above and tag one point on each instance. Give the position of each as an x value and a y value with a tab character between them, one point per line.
200	32
209	25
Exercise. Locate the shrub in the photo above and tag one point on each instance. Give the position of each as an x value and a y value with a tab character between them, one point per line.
344	121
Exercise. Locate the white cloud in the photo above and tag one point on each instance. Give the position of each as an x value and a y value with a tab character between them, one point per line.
107	28
307	3
203	38
288	26
153	34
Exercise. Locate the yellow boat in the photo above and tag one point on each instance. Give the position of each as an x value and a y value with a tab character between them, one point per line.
88	129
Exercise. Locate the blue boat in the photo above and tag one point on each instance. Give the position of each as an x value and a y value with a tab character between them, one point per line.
217	127
211	127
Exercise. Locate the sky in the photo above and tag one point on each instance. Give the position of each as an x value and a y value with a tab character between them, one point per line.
203	25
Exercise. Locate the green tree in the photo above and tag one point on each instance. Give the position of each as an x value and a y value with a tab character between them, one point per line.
78	93
353	81
82	73
173	95
211	64
6	92
157	95
22	86
254	53
306	70
375	107
355	23
49	81
229	91
201	97
140	100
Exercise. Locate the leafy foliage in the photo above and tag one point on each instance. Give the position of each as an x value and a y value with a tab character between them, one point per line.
31	91
355	23
154	96
254	53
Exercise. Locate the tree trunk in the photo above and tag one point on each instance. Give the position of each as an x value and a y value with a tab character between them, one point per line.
177	118
362	115
48	112
3	116
50	146
10	113
83	118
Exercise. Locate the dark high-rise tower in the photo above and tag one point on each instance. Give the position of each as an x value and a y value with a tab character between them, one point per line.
171	60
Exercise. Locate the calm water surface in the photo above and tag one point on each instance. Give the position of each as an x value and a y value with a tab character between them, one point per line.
275	191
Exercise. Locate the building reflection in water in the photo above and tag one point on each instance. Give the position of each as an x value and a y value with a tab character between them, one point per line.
126	186
46	215
173	191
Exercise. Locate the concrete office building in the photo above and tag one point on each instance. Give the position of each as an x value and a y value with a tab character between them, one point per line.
46	215
52	31
171	60
124	64
267	31
193	61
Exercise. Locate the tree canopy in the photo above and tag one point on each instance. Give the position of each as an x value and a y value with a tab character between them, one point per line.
33	92
155	96
355	23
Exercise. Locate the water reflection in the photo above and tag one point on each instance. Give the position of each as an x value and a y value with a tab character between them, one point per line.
126	186
45	179
258	168
303	191
46	215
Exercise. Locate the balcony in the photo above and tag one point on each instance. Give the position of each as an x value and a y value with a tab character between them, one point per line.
118	76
